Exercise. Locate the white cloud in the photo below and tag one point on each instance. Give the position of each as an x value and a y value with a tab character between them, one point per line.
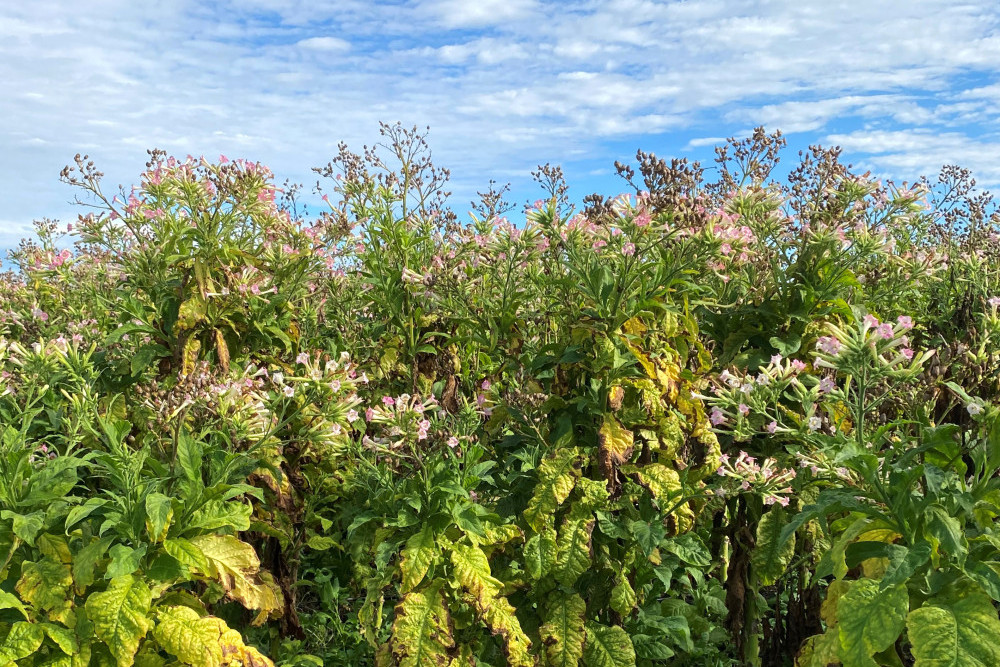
325	44
504	84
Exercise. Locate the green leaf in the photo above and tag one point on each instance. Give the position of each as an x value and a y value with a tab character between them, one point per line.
418	555
85	562
945	531
203	641
556	478
81	512
11	601
64	638
124	560
121	616
159	514
23	640
957	630
771	556
870	620
689	548
574	550
623	598
45	583
563	631
421	633
904	561
608	647
26	526
540	552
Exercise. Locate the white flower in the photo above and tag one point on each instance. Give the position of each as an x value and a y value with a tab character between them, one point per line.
815	423
974	408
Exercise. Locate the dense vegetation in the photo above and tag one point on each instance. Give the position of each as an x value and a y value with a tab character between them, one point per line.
710	422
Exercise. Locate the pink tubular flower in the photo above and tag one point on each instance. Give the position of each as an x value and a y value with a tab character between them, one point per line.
642	220
772	427
907	353
352	416
388	401
826	385
744	409
905	321
303	358
885	331
628	249
717	417
453	442
828	345
798	365
871	321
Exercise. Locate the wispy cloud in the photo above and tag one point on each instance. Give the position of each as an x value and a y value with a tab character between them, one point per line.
504	84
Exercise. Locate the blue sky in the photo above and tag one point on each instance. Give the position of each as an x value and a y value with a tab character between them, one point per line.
505	85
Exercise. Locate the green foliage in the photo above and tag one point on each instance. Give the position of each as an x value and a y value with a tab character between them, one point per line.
704	423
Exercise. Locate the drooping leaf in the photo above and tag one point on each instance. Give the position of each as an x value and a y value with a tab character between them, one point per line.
573	547
623	597
870	620
419	554
472	570
159	514
771	556
540	553
608	647
11	601
235	565
421	633
203	641
121	616
556	477
563	632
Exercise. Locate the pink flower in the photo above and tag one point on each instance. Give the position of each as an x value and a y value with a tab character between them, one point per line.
717	417
885	331
388	401
905	321
289	390
642	220
369	414
776	359
599	243
486	385
798	365
907	353
826	385
303	358
744	409
628	249
352	416
453	442
40	314
772	427
871	321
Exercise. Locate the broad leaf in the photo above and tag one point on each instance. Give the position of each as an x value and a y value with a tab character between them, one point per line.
958	630
870	620
121	616
608	647
563	632
421	633
418	555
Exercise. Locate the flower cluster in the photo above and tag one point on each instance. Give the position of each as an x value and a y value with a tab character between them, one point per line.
766	478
